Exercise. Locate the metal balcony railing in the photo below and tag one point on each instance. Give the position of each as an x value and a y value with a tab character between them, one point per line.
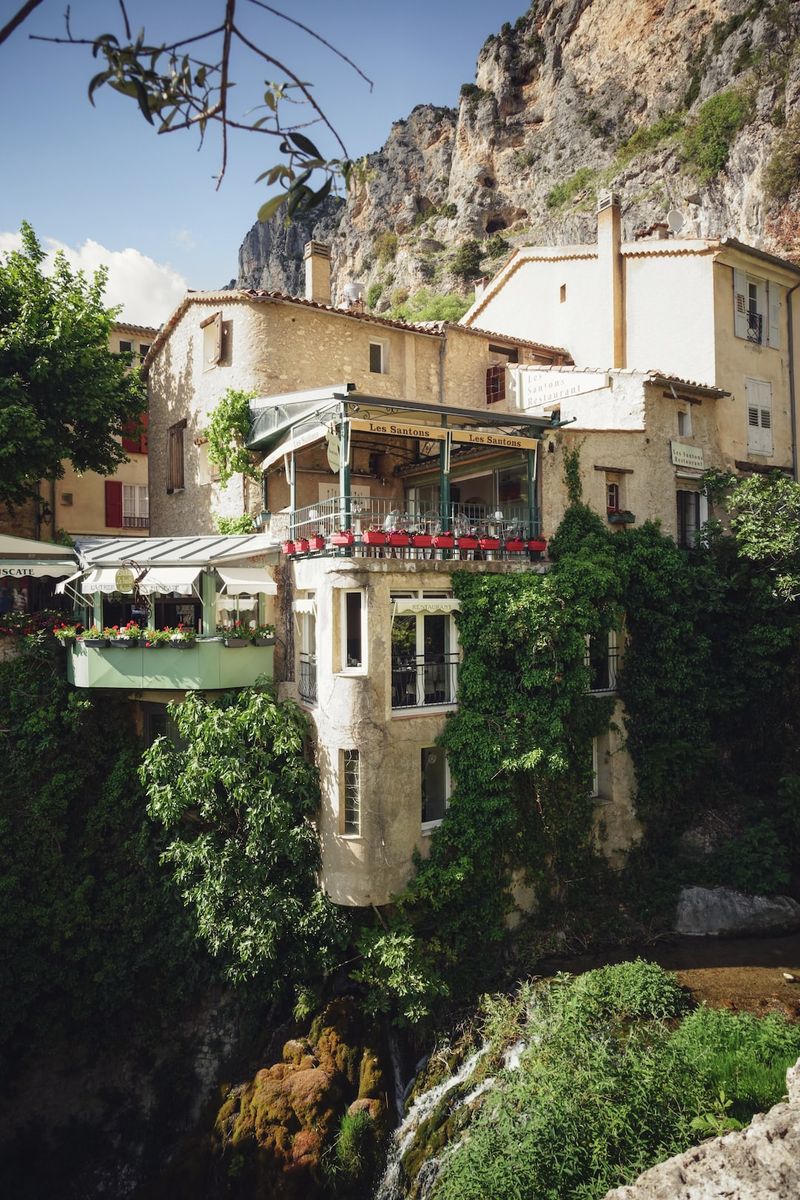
135	522
417	681
307	681
367	513
602	669
755	327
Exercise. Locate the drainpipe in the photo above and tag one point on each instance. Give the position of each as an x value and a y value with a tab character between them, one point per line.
792	397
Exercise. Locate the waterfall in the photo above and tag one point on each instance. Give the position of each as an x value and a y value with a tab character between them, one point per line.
421	1109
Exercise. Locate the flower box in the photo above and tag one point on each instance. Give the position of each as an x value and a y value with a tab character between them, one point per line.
183	643
516	546
263	641
537	545
287	547
97	642
468	543
236	643
123	643
316	542
301	546
400	538
345	537
422	541
373	537
621	516
444	541
489	543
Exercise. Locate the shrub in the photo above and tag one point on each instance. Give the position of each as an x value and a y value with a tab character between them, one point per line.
562	193
707	140
423	306
496	245
228	427
756	861
233	525
354	1152
374	293
385	246
467	260
782	175
449	210
648	137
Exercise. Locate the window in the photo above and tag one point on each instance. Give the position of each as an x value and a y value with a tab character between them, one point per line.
601	661
135	506
759	416
175	438
126	347
435	785
756	310
212	340
595	792
684	422
379	358
612	496
350	775
353	602
562	294
689	519
424	658
307	677
143	349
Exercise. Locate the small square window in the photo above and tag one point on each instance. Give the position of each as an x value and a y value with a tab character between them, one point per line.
684	423
126	347
562	295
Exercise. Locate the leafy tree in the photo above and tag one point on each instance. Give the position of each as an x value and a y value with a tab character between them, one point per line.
766	522
424	306
228	427
63	394
237	796
186	84
467	260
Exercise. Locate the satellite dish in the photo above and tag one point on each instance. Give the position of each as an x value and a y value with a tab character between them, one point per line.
675	220
334	452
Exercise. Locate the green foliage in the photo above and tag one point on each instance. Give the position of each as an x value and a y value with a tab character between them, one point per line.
385	246
450	211
572	474
605	1088
374	293
782	175
228	428
233	525
648	137
91	938
562	193
766	522
236	795
707	140
497	245
466	261
473	95
63	395
425	306
354	1153
756	861
398	974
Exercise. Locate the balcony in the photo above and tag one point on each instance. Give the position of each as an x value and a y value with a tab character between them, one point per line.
755	328
421	683
377	527
307	680
207	666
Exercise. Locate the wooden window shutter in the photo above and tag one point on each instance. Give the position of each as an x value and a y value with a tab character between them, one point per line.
773	310
175	457
740	304
113	504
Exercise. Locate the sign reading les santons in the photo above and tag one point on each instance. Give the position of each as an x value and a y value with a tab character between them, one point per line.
687	456
477	437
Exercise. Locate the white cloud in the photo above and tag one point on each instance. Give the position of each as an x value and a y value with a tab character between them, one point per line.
185	239
148	291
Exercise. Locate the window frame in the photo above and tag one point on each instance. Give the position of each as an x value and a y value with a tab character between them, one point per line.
341	609
212	332
383	347
452	651
344	761
428	827
176	457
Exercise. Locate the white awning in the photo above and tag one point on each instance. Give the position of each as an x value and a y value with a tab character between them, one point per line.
253	580
62	586
429	606
169	579
309	606
297	442
101	579
20	568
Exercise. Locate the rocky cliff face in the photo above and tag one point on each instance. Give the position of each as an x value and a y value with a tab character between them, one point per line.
576	96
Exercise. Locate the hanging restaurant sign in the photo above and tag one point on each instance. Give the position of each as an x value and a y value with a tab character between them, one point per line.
477	437
124	580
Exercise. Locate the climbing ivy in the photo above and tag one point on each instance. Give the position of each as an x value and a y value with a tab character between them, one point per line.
228	427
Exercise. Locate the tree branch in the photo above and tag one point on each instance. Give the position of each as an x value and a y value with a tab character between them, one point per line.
285	17
18	18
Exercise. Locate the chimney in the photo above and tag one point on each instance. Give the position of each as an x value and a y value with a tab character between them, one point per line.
609	256
317	258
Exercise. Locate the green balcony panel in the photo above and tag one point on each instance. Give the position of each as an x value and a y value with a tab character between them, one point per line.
208	666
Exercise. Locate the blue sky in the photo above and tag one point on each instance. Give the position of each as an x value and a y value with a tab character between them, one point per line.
101	183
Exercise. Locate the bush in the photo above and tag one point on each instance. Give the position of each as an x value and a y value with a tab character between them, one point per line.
562	193
423	306
354	1156
374	293
782	175
385	246
756	861
467	260
707	140
648	137
497	245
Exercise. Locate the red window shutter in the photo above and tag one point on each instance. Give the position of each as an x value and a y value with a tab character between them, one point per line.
143	438
113	504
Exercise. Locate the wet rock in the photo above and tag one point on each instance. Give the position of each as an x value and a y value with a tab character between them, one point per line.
757	1163
722	911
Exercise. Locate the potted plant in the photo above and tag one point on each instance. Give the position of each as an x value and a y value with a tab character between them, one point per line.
301	546
422	541
620	516
399	537
125	637
373	537
515	545
67	635
444	541
537	545
468	542
94	636
154	639
344	537
489	543
287	547
182	637
316	542
264	635
235	636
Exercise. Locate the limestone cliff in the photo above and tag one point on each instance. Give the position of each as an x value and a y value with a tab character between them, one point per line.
576	95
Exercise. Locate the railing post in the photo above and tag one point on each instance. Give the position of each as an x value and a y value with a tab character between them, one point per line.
444	483
292	496
533	499
344	470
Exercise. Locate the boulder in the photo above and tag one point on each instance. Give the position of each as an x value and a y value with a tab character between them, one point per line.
722	911
761	1162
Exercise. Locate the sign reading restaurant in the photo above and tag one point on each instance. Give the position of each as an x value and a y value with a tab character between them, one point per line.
477	437
532	387
687	456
